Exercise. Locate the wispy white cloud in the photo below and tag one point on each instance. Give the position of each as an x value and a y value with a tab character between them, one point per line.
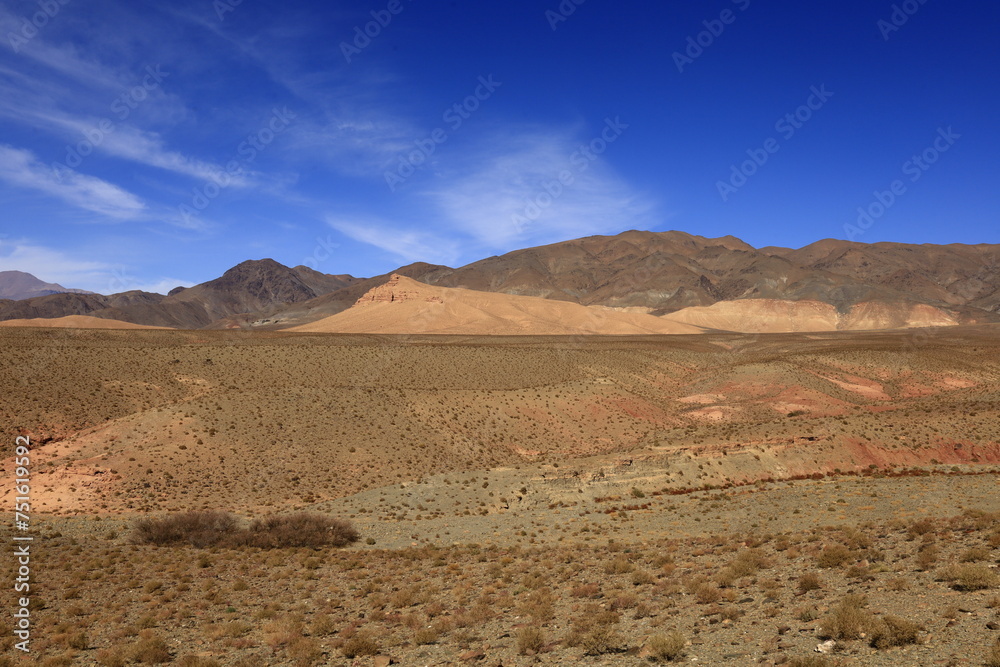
534	187
148	148
102	134
537	187
22	168
57	266
410	244
64	58
52	266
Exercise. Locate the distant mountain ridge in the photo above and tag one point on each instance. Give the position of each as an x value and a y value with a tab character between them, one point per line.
662	273
256	286
880	285
17	285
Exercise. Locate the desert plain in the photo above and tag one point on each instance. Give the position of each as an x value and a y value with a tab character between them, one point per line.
709	498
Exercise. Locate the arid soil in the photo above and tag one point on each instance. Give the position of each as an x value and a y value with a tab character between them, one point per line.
713	499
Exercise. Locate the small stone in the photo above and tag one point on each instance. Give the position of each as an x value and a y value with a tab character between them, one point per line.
826	647
382	661
469	656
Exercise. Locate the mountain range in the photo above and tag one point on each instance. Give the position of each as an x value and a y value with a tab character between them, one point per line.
707	283
18	285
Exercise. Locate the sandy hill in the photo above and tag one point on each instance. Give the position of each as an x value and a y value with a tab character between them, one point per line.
76	322
774	316
404	306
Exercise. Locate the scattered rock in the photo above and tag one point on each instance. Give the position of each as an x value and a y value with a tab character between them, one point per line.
826	647
469	656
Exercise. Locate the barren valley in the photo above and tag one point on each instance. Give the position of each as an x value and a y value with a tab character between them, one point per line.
719	498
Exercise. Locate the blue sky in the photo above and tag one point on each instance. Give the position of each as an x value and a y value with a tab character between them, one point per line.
146	145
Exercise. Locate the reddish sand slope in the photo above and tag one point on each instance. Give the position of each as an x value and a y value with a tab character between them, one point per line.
76	322
405	306
776	316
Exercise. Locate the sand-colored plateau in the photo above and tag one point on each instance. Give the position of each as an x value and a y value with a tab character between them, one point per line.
404	306
776	316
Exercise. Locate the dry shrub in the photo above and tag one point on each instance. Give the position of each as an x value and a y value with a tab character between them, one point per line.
926	557
112	657
666	648
594	632
624	601
305	651
974	555
619	565
898	584
810	581
891	631
151	649
425	636
214	528
540	605
968	577
601	640
360	644
302	529
834	556
530	640
921	527
749	562
848	620
642	578
707	594
586	591
199	529
322	625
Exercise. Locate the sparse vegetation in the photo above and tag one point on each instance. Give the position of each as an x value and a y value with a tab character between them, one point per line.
221	529
475	538
667	648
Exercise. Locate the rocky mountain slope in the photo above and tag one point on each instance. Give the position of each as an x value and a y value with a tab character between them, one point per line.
256	286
